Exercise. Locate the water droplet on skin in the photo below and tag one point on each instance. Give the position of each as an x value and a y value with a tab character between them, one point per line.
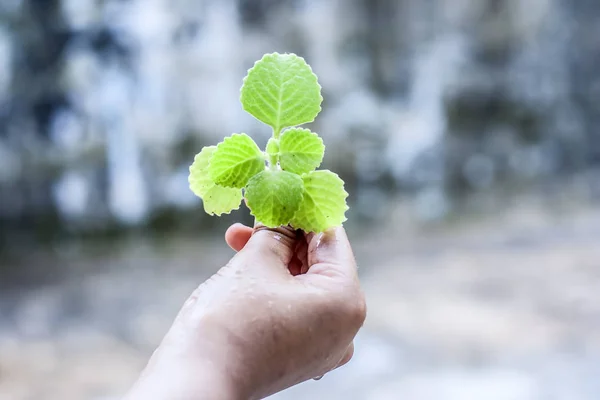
277	237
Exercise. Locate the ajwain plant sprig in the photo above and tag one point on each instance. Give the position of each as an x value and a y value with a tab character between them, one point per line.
281	185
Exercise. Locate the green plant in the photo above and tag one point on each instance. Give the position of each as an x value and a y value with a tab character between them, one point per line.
281	185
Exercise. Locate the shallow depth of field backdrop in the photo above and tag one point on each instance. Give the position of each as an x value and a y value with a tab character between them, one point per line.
468	132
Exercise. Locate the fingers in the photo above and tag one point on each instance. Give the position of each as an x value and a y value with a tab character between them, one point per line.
237	236
330	253
271	246
326	253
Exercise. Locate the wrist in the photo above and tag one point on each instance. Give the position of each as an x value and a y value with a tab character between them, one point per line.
176	377
209	383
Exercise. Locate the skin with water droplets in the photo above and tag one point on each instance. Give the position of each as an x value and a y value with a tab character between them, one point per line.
255	329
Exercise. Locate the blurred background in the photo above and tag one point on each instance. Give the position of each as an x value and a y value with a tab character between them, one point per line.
467	132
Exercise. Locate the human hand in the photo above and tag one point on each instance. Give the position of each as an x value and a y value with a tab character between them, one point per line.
285	309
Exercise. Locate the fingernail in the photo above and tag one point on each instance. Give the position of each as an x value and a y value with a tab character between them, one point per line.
326	238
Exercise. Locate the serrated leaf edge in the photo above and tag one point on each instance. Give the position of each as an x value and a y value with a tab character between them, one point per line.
312	133
321	99
245	200
346	195
224	212
215	184
220	144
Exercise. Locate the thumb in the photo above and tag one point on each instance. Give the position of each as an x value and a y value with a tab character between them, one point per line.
330	253
273	246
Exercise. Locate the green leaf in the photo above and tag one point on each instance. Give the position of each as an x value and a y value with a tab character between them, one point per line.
236	160
282	91
274	196
300	151
324	202
216	199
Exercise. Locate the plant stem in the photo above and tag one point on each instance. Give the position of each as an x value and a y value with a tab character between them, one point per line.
272	164
273	150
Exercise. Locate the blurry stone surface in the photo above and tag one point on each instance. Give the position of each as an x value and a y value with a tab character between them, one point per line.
104	104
